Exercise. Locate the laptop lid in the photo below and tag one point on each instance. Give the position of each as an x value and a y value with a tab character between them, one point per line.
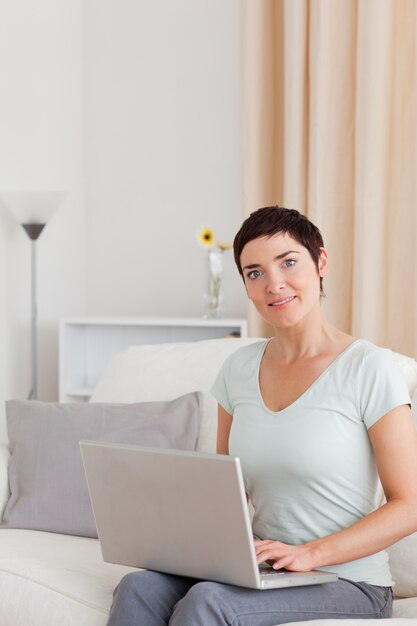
176	512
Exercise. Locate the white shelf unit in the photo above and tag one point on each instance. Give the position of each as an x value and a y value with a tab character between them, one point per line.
86	344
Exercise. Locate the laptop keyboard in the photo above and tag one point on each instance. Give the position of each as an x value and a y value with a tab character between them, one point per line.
268	570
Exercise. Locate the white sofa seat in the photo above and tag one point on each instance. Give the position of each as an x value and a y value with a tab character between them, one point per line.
48	579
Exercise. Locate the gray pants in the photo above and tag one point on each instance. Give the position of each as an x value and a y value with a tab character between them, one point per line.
155	599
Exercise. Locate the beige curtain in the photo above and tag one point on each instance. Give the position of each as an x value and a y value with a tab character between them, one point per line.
329	121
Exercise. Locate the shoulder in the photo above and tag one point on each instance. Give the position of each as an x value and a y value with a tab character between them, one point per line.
237	373
366	354
377	369
381	384
244	360
367	365
246	354
375	356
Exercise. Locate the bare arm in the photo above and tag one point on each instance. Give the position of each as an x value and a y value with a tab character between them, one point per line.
394	440
224	424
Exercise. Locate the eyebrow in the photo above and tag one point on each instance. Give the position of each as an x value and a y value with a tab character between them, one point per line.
277	258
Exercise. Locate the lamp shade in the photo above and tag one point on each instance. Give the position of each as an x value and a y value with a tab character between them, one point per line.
32	207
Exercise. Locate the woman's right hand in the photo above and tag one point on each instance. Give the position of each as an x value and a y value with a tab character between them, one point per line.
300	558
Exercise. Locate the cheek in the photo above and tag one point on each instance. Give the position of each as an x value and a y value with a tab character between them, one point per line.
253	289
311	284
306	282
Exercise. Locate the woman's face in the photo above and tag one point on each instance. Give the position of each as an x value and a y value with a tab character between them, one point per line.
282	279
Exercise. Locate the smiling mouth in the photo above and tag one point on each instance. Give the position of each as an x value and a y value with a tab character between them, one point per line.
281	302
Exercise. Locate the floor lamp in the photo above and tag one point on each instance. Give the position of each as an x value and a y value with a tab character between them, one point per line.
33	210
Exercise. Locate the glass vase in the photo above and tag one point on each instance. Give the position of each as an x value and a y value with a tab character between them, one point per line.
213	297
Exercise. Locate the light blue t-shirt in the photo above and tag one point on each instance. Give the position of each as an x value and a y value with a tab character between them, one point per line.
309	469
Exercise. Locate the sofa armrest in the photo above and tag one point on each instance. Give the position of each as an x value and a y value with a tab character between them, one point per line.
4	477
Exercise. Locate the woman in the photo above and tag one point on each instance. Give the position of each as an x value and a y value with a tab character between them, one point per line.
314	415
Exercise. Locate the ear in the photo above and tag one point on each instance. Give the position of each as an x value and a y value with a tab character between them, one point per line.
323	262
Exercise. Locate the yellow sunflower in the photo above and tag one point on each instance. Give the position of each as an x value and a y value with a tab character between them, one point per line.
205	237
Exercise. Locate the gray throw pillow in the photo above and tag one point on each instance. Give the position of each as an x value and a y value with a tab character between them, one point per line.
46	475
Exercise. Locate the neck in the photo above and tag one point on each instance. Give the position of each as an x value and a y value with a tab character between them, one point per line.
310	338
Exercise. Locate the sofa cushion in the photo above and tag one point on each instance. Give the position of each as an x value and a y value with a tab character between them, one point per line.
4	481
46	476
414	405
408	367
164	371
403	565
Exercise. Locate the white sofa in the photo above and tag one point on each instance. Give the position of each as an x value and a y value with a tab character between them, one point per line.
48	579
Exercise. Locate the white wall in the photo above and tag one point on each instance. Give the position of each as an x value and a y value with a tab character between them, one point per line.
41	147
132	106
163	152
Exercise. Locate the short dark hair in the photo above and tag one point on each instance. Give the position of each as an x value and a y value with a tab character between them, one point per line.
271	220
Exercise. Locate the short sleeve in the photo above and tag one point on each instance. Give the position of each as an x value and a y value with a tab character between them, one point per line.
220	388
382	386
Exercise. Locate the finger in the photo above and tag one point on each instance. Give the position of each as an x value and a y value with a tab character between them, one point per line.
273	555
264	545
269	548
268	555
283	562
264	556
270	542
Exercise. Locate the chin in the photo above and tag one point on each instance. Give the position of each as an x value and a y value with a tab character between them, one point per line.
274	320
280	320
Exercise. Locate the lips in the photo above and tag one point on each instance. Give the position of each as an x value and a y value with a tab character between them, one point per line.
278	303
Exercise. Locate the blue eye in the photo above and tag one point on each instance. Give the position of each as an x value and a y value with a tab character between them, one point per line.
289	262
253	275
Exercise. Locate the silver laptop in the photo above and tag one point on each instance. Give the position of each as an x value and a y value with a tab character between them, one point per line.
178	512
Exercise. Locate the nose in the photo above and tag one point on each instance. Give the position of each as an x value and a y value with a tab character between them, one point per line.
275	283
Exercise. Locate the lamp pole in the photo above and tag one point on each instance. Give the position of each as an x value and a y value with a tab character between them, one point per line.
32	210
33	231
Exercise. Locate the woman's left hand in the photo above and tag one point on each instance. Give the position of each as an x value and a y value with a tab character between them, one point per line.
295	558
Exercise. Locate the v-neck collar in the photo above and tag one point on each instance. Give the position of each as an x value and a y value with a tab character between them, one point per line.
306	391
